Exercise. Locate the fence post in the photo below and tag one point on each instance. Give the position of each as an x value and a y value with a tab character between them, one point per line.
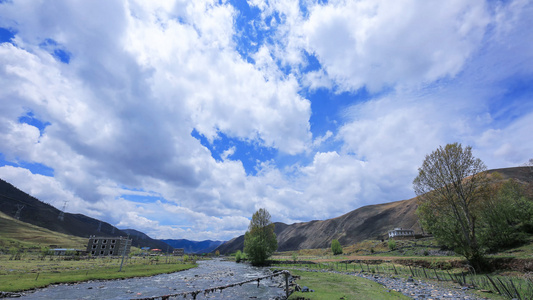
287	285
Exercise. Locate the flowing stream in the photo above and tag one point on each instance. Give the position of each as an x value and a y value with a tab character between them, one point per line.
208	274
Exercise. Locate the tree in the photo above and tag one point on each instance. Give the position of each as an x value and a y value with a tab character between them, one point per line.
450	185
336	247
260	240
506	216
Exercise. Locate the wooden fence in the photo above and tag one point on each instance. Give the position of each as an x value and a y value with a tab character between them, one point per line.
193	294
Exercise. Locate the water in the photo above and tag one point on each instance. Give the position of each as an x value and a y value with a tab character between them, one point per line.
208	274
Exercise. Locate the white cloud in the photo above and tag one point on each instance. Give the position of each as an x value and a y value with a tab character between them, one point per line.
379	43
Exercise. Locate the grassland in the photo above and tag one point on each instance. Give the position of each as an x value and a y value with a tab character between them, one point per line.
23	265
421	259
29	273
337	286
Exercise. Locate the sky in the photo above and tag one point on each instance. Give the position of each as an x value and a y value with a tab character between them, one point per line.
182	118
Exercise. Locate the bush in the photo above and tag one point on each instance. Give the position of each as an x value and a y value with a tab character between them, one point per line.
392	245
238	256
336	247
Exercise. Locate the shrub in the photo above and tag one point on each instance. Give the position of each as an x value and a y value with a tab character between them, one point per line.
238	256
392	245
336	247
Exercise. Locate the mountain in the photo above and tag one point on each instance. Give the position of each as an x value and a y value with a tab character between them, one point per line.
358	225
194	247
145	241
14	202
368	222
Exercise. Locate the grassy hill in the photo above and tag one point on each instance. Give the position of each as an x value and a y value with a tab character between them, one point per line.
18	233
45	215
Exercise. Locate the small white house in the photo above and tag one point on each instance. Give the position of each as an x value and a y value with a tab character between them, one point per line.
401	233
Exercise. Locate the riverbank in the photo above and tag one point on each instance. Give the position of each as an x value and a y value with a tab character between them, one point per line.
29	274
389	287
208	275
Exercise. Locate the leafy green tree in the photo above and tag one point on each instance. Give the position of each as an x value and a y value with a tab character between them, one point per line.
336	247
450	185
506	216
260	240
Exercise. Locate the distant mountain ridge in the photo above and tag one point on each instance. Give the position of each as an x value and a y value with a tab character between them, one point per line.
32	210
367	222
194	247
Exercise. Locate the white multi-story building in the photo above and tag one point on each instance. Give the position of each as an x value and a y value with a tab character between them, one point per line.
401	233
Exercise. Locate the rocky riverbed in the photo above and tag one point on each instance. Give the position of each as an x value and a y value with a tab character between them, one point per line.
208	274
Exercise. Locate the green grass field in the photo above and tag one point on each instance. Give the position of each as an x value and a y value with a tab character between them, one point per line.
337	286
30	272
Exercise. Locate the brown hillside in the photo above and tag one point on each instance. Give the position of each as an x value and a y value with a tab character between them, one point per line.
367	222
372	221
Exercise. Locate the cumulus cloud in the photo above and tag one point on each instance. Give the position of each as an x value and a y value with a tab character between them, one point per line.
378	44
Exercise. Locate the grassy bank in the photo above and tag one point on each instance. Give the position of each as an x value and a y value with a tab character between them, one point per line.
338	286
32	273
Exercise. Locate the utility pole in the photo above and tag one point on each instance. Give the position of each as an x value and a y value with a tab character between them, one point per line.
99	226
61	216
124	252
19	209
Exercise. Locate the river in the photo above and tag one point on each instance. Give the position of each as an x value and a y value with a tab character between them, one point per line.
208	274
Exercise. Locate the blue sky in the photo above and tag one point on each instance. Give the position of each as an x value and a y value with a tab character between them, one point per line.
182	118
